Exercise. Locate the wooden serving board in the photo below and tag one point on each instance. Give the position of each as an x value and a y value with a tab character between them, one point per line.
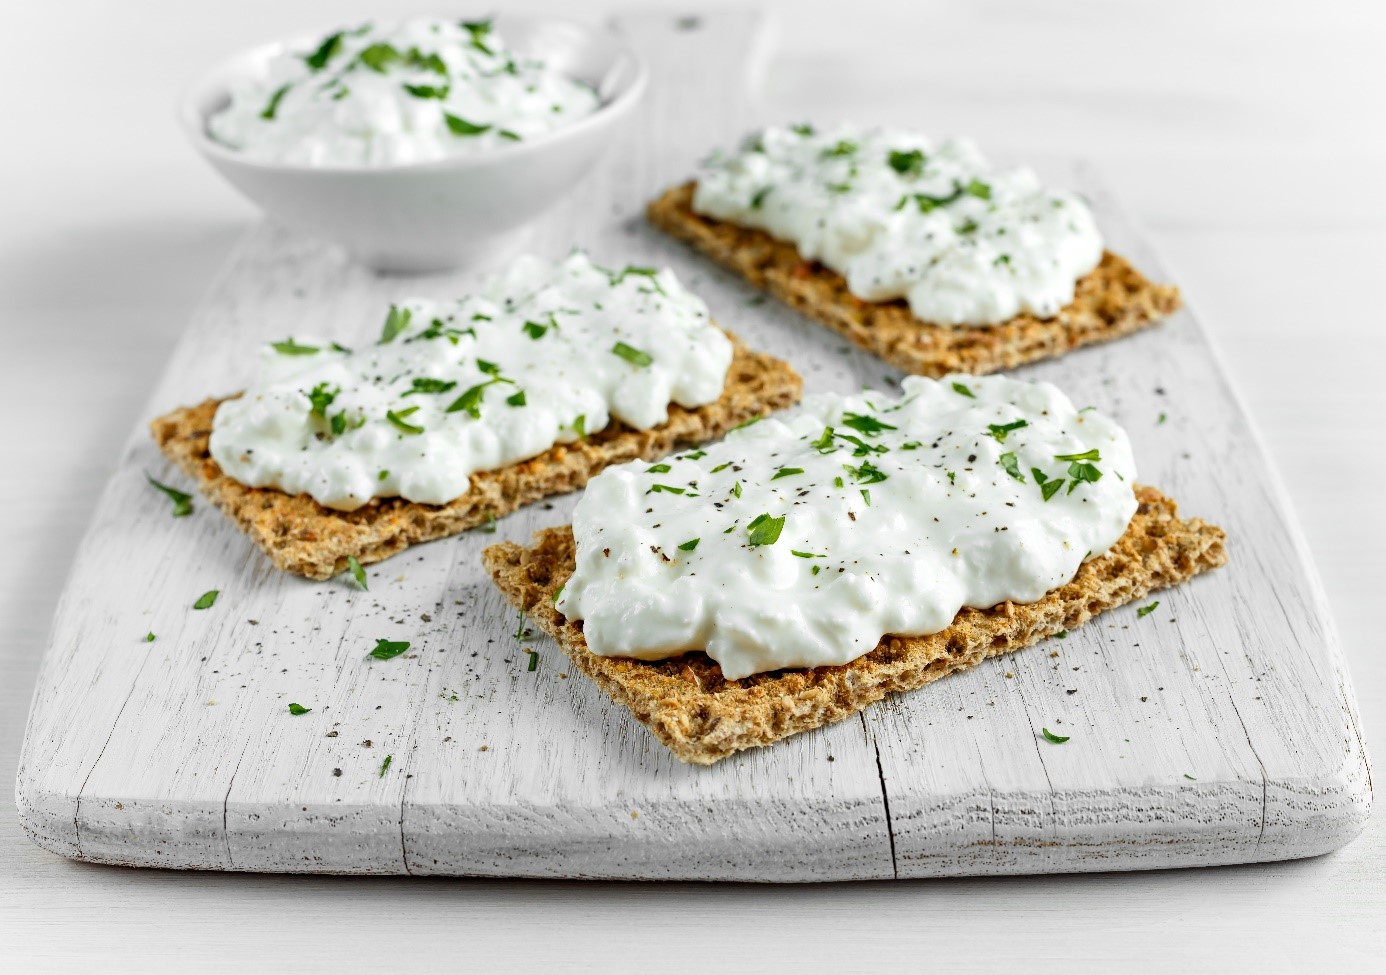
1219	729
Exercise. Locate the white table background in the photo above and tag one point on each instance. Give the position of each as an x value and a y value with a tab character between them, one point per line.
1247	136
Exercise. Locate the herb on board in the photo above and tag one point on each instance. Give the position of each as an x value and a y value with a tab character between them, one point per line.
357	573
149	637
1147	610
206	600
1049	736
385	765
182	503
297	709
533	658
389	649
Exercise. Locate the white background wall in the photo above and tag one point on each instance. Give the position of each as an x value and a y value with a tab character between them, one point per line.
1249	138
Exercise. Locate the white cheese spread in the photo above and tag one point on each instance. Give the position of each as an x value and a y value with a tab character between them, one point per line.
901	217
417	91
544	353
800	542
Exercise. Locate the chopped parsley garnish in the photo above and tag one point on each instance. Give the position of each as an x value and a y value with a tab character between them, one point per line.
580	427
149	637
357	573
478	29
1145	611
999	430
807	555
298	709
1011	465
490	368
533	658
511	136
665	489
516	399
968	226
1048	486
844	147
290	347
689	545
746	423
275	99
339	423
631	354
759	197
866	496
470	400
824	444
400	422
765	530
867	473
786	472
694	455
378	56
182	503
629	269
1049	736
1001	259
425	384
802	129
395	322
964	391
1093	454
977	188
206	600
927	203
488	527
736	489
721	467
383	475
1079	473
862	447
1161	420
868	425
385	765
325	52
536	330
460	126
658	469
388	649
909	163
428	91
321	398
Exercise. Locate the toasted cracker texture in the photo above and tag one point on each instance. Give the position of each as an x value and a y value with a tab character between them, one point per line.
702	717
299	535
1111	301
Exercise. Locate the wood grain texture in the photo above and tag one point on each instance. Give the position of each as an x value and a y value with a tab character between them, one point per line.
1221	728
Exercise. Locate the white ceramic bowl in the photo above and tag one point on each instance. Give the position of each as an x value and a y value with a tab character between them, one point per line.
449	213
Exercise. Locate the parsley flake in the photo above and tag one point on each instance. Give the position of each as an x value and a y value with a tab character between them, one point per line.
1049	736
298	709
400	422
357	573
1147	610
999	430
206	600
388	649
765	530
182	503
689	545
290	347
396	321
631	354
964	391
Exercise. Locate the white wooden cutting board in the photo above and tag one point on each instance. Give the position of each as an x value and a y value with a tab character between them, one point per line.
1219	729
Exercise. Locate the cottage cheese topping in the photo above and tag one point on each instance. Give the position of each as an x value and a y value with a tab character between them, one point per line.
801	542
901	217
421	90
543	354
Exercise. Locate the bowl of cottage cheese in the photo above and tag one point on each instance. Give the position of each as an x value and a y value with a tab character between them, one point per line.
421	145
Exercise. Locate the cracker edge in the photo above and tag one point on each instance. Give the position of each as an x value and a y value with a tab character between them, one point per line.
1112	301
703	725
303	537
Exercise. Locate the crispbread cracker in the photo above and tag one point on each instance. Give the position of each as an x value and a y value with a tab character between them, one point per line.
1112	300
702	717
299	535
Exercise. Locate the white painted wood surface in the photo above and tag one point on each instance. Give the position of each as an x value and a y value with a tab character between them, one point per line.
1221	729
1198	114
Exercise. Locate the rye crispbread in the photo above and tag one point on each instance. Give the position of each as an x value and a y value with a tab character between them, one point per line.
299	535
702	718
1112	300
